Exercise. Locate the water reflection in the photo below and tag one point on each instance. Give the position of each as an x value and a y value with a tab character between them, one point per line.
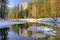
14	36
3	33
16	31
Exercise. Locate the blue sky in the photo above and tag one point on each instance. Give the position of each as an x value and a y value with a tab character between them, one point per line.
15	2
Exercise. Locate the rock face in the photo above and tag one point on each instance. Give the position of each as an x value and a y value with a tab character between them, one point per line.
24	5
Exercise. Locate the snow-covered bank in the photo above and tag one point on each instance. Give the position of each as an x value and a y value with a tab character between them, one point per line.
7	23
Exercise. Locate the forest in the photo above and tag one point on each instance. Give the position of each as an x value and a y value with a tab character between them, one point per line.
35	9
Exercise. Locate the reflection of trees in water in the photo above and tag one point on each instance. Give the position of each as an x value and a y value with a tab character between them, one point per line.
25	26
14	28
18	28
3	33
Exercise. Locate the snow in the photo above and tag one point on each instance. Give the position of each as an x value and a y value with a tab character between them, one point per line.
7	23
50	21
50	33
52	24
37	35
39	28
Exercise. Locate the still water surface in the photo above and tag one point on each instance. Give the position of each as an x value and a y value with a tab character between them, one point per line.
18	31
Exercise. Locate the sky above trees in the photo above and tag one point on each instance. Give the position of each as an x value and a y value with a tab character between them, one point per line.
15	2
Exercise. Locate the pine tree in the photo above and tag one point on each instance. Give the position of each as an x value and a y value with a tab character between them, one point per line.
3	8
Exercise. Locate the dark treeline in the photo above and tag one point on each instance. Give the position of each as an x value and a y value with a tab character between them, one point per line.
3	8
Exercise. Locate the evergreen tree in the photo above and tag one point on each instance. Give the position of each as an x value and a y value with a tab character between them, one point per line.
3	8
